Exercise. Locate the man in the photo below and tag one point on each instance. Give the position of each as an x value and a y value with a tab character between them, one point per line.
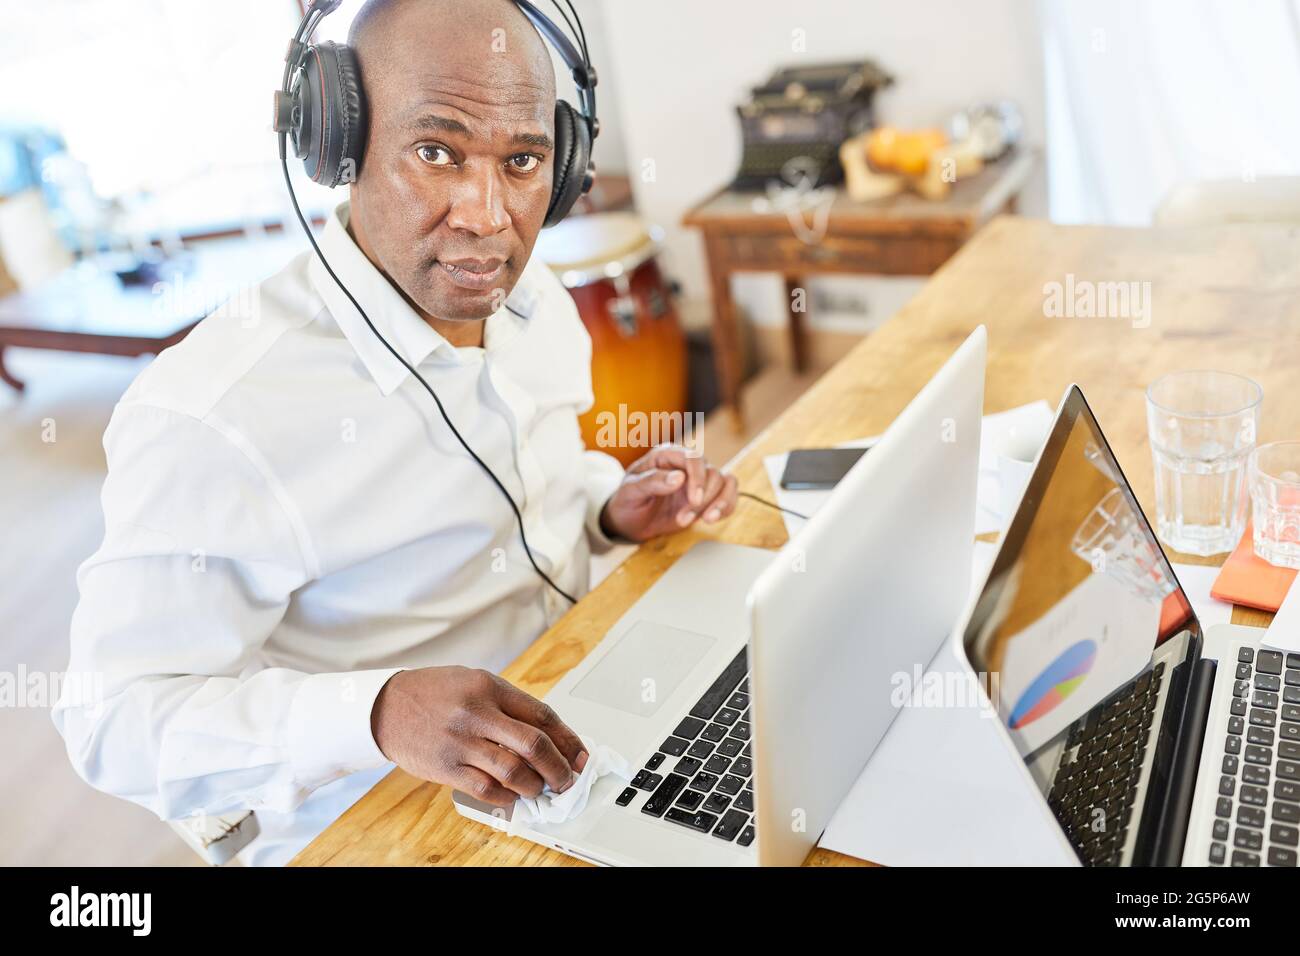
289	522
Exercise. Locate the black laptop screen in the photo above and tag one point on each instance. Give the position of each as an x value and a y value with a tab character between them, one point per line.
1080	594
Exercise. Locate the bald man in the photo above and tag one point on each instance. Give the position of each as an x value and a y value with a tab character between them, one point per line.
304	578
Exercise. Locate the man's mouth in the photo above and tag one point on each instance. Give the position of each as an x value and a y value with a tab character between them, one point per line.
477	275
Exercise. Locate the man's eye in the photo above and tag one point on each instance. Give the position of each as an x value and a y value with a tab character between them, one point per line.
525	162
434	155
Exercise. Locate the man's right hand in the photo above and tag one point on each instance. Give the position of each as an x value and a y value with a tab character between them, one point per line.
476	732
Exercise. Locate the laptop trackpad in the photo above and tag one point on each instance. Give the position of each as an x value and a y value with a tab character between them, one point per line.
643	668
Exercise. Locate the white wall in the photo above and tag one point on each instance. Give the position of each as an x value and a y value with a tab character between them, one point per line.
610	152
682	66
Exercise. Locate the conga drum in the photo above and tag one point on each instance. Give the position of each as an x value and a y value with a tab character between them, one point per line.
638	362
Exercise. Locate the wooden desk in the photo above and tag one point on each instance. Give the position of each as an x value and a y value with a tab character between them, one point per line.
1227	297
899	235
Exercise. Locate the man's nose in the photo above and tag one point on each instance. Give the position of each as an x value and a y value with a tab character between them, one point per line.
477	204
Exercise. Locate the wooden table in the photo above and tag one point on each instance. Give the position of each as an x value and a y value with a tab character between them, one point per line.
1225	296
899	235
92	313
89	310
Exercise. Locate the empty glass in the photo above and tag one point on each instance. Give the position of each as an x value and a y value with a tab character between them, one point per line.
1202	426
1275	500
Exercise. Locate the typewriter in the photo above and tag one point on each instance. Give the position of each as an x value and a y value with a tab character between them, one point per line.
794	123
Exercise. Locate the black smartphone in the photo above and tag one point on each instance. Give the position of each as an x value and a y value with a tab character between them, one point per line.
809	468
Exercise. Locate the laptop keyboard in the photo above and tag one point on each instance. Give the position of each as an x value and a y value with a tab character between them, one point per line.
707	788
1096	783
1257	813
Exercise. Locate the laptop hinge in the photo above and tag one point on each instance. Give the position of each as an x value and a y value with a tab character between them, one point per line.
1174	821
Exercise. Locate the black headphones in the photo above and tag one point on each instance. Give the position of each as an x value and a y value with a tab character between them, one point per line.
321	106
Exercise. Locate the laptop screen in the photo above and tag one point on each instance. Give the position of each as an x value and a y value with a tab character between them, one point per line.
1080	600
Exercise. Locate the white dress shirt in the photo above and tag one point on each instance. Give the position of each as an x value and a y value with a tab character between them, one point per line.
289	521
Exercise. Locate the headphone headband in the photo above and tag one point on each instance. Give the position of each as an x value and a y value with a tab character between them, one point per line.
579	64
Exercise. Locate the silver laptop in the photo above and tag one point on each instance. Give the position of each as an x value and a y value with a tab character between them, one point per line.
751	685
1149	741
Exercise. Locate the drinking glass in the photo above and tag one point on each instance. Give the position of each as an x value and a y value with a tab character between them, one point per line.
1275	502
1202	426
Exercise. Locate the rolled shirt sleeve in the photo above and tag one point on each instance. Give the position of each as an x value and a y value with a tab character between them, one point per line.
201	554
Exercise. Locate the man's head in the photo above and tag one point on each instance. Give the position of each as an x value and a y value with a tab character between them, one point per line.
456	176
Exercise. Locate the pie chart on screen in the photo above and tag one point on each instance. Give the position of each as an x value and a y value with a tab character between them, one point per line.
1057	681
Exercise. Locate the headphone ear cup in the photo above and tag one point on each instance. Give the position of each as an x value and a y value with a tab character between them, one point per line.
572	159
352	98
334	114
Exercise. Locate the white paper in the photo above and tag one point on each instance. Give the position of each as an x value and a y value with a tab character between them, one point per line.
943	789
1197	579
552	807
997	433
1024	428
1284	631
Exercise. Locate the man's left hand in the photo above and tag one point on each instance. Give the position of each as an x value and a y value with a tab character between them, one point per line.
665	490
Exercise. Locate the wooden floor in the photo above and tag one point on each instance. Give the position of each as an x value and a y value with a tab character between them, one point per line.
765	396
49	510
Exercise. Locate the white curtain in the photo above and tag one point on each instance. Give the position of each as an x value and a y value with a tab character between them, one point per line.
1143	95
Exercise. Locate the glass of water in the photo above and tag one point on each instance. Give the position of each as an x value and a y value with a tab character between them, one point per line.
1275	502
1202	426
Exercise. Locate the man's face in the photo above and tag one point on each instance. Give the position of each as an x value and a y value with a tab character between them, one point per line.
457	172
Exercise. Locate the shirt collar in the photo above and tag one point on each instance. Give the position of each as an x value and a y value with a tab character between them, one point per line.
413	338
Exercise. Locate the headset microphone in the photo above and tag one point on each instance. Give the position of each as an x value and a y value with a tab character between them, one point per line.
321	109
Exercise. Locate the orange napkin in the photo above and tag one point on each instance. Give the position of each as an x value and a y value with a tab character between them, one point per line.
1248	579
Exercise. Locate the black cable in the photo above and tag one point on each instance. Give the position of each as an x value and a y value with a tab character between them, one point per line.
771	504
305	29
580	37
582	33
567	21
519	518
